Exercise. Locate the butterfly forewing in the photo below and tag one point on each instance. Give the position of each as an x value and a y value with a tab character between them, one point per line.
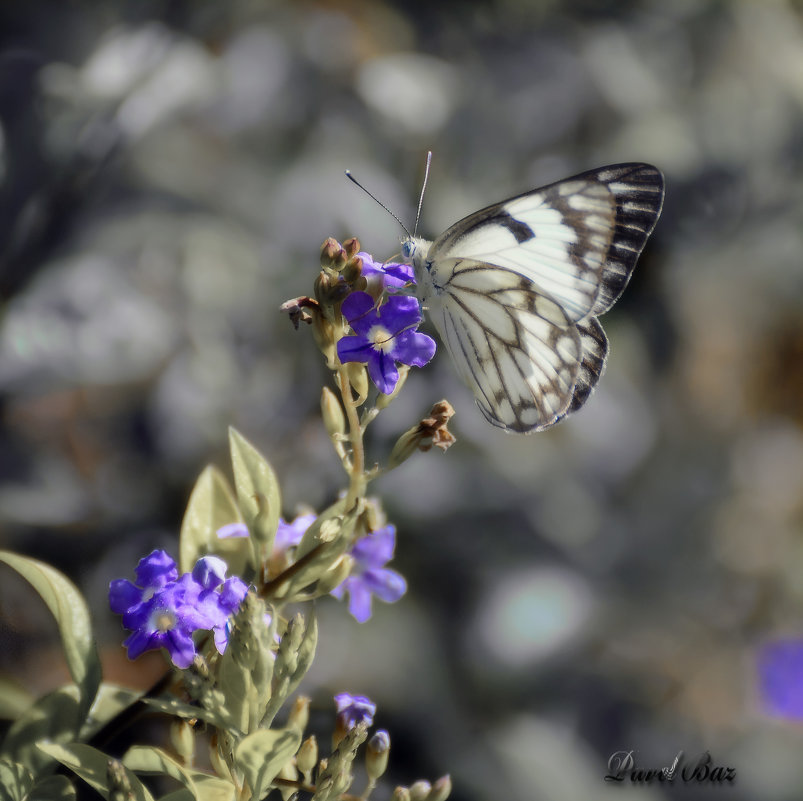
515	289
577	239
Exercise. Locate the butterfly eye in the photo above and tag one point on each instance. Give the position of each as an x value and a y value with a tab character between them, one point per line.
408	249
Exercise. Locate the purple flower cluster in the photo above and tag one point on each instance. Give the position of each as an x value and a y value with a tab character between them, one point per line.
392	275
163	609
384	335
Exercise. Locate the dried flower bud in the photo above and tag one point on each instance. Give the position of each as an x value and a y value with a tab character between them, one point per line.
300	310
299	713
332	411
430	431
307	756
420	790
376	754
441	790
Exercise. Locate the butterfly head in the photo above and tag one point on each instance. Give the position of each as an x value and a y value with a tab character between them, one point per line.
414	250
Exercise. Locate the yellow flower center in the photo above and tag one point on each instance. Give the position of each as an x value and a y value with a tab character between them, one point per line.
380	338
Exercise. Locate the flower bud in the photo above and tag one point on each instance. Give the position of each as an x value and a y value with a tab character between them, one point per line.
400	794
117	780
335	575
441	790
420	790
358	378
324	334
332	411
352	247
182	738
299	713
333	256
376	754
352	272
307	756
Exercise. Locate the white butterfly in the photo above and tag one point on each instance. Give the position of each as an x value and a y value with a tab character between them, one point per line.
515	289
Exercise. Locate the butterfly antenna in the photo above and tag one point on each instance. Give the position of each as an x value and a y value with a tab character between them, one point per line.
423	188
374	197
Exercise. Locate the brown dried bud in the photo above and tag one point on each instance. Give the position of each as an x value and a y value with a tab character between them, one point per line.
299	713
300	309
430	431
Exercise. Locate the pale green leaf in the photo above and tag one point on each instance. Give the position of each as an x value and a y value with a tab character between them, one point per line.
152	760
261	755
173	706
257	490
14	698
92	766
67	606
55	716
211	506
52	788
207	788
110	701
15	781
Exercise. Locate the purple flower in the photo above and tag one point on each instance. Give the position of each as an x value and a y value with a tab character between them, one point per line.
355	709
289	535
164	609
393	275
369	576
384	336
780	671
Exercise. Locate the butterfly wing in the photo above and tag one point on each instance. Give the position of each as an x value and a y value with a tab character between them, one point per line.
514	289
577	240
528	364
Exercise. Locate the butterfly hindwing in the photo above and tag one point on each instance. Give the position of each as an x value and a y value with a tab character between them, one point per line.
513	345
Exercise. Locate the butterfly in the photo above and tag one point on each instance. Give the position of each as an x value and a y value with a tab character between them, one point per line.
515	289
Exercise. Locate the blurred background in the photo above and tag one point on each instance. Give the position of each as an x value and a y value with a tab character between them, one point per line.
168	172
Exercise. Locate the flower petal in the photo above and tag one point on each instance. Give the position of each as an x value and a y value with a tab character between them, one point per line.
156	569
123	595
386	584
382	370
359	601
413	348
354	349
358	309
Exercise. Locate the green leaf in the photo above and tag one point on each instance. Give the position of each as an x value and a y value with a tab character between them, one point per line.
110	701
92	766
152	760
257	491
172	706
261	755
52	788
14	698
67	605
55	716
15	781
207	788
211	506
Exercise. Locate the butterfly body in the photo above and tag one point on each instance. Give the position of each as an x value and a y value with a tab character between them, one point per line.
515	289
